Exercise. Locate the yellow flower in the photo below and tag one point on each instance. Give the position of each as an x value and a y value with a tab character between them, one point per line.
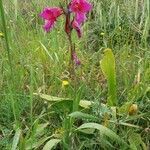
1	34
102	33
65	83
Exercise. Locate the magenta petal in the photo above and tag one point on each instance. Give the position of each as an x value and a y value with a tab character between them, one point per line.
50	16
51	13
48	25
56	11
46	14
80	6
80	18
86	6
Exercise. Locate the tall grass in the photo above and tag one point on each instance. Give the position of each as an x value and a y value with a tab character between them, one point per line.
119	21
5	34
11	77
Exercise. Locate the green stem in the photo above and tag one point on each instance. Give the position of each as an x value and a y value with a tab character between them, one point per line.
5	33
2	14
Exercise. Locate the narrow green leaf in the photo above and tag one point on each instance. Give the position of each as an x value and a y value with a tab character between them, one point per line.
80	115
51	143
16	139
2	15
107	65
130	125
16	8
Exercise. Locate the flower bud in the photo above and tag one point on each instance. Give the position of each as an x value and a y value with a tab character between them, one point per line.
133	109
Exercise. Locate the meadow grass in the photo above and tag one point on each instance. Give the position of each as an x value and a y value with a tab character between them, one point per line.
38	112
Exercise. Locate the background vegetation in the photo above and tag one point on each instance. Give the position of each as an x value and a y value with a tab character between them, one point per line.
37	111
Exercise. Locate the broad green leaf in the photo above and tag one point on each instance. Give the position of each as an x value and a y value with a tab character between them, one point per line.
81	115
51	143
16	139
88	131
103	131
107	65
57	100
136	142
30	145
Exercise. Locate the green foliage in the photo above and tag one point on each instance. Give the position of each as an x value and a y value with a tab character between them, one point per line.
67	102
50	144
103	131
108	68
80	115
37	112
136	142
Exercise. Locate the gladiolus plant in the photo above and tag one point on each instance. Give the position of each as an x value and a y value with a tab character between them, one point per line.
76	8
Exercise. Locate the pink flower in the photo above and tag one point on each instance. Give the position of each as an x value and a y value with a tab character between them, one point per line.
50	16
80	8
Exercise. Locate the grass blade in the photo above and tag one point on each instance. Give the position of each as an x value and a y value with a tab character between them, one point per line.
5	33
16	139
